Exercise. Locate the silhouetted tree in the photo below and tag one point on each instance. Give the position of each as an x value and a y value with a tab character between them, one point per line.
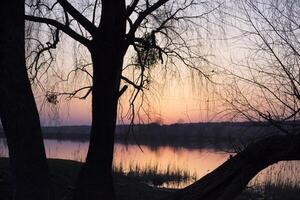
122	26
150	29
108	29
264	89
266	86
18	111
231	178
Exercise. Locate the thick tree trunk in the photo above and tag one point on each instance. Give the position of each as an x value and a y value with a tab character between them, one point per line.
95	179
18	110
228	180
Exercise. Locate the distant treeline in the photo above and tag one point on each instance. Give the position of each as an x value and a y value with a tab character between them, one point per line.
225	135
192	134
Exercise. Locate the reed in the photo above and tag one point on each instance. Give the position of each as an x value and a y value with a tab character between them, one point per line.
154	175
277	182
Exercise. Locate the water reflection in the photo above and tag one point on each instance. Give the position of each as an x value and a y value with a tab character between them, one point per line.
198	162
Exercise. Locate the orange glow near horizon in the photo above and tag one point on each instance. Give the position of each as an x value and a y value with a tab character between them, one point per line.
176	95
177	104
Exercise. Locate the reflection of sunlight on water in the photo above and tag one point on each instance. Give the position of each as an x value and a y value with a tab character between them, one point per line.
198	162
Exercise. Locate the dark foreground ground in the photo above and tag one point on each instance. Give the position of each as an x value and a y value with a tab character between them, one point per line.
64	173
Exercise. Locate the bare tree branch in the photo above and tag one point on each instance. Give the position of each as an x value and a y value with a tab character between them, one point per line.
141	17
61	27
84	22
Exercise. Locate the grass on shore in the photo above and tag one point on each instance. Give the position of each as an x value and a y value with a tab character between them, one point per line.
153	175
64	173
271	192
130	186
280	181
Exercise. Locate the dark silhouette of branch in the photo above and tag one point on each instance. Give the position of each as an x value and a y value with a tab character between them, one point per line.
131	7
121	92
72	94
138	87
59	26
94	12
141	17
84	22
35	65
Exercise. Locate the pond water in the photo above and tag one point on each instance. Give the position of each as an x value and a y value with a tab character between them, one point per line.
196	162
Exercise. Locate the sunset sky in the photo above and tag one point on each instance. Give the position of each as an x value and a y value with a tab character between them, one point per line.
177	94
183	97
177	103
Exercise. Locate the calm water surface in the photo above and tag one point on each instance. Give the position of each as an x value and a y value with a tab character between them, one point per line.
197	162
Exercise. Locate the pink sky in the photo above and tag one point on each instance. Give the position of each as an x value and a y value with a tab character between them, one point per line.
179	103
